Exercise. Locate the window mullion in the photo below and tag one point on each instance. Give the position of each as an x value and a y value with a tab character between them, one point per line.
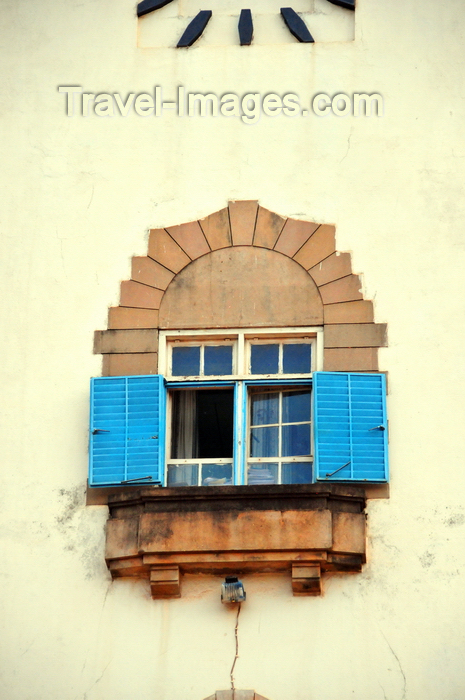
319	352
240	346
240	441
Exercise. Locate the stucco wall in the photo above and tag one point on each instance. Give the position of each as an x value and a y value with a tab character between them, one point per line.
80	195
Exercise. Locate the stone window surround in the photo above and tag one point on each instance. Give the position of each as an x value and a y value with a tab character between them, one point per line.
306	530
351	337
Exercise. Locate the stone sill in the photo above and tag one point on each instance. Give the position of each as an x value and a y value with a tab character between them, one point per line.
305	530
101	496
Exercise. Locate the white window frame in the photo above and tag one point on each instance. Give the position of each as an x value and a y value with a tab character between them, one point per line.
241	339
200	461
278	388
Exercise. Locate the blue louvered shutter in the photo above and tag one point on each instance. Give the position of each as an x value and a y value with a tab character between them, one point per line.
127	416
350	426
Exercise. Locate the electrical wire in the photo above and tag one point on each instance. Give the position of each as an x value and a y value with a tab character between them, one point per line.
237	651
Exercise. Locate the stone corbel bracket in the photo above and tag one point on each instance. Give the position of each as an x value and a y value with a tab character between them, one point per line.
304	530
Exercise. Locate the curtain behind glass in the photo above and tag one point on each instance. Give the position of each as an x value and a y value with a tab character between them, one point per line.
184	433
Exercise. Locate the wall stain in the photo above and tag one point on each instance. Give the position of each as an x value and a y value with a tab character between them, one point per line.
427	559
454	520
82	534
73	499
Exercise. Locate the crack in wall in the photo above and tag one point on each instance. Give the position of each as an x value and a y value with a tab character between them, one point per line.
237	650
398	663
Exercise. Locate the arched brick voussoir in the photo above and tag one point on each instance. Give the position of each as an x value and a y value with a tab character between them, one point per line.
243	217
140	296
217	229
150	272
344	289
190	238
123	317
268	228
320	245
359	311
164	250
294	235
332	268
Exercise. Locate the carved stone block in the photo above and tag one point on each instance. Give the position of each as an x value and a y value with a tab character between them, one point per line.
306	579
305	530
165	582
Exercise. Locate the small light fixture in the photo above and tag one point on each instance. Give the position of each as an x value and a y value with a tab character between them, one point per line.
232	590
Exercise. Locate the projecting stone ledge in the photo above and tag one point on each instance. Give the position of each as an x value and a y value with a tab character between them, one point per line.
305	530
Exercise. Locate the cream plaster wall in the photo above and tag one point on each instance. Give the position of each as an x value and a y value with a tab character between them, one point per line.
78	198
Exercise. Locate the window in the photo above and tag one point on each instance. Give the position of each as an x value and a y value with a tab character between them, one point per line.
239	407
202	437
279	436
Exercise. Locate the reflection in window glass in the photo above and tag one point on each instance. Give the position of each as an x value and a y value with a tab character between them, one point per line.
183	474
296	406
280	434
297	358
186	361
218	360
265	408
216	474
296	473
264	442
264	359
296	440
262	474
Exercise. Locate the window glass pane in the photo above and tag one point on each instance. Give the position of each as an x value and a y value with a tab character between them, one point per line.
216	474
296	440
296	406
264	359
186	361
217	360
296	473
264	442
183	474
261	474
265	408
297	358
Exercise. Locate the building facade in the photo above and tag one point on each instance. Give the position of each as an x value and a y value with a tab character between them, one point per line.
280	244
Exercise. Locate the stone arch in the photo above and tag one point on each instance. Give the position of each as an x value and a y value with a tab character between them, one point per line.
352	339
238	287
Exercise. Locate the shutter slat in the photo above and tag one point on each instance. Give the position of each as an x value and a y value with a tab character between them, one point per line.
128	415
348	408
